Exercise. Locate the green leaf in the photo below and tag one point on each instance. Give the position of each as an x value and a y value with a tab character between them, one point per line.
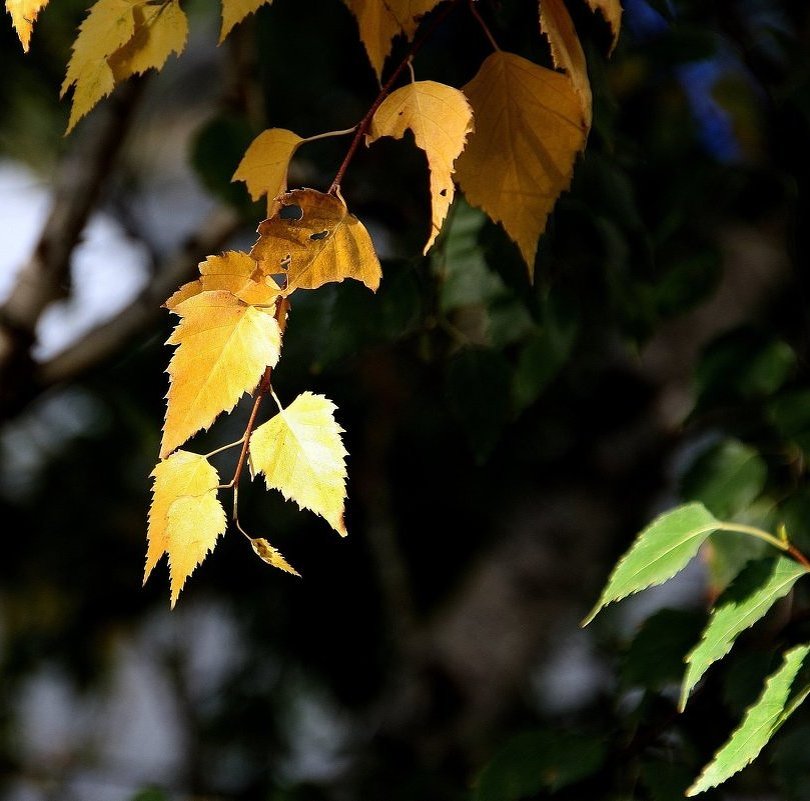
761	722
746	601
726	478
536	761
658	553
655	657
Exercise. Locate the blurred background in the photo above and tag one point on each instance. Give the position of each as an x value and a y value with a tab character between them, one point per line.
507	439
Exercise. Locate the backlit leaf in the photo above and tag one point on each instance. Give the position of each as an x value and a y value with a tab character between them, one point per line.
313	239
264	166
224	347
234	11
233	272
300	453
440	118
760	723
185	518
272	556
566	49
658	553
160	30
108	27
611	10
379	22
529	127
748	599
23	16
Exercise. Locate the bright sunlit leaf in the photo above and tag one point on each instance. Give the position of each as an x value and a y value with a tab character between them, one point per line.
23	16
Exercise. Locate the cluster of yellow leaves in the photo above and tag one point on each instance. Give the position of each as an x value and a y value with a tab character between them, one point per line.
228	336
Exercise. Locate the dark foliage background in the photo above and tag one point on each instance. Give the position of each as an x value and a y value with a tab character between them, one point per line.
507	440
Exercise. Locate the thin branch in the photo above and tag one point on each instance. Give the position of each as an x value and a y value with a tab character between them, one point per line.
483	25
362	126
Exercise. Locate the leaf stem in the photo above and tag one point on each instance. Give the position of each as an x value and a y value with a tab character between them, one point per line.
480	20
776	542
328	134
225	447
362	126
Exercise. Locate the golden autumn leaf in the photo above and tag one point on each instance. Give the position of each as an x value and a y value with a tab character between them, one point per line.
272	556
160	30
108	27
234	272
313	240
529	128
301	454
440	118
380	21
185	518
23	16
264	166
611	11
234	11
566	50
224	347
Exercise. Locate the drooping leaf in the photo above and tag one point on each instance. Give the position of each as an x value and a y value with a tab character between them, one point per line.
234	11
566	50
185	518
272	556
313	240
160	30
440	118
748	599
529	127
23	16
233	272
611	10
536	761
264	166
109	26
379	22
760	723
301	454
658	553
224	347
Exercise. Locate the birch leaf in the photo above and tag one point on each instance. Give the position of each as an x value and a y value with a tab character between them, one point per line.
761	721
233	272
224	347
234	11
301	454
23	16
566	50
159	31
611	11
272	556
264	166
440	118
379	22
313	240
529	127
185	518
108	27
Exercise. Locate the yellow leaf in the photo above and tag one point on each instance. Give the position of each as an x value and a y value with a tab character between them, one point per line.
224	347
185	518
313	239
529	128
23	16
272	556
566	49
234	11
160	30
380	21
440	118
301	454
233	272
109	26
611	11
264	166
